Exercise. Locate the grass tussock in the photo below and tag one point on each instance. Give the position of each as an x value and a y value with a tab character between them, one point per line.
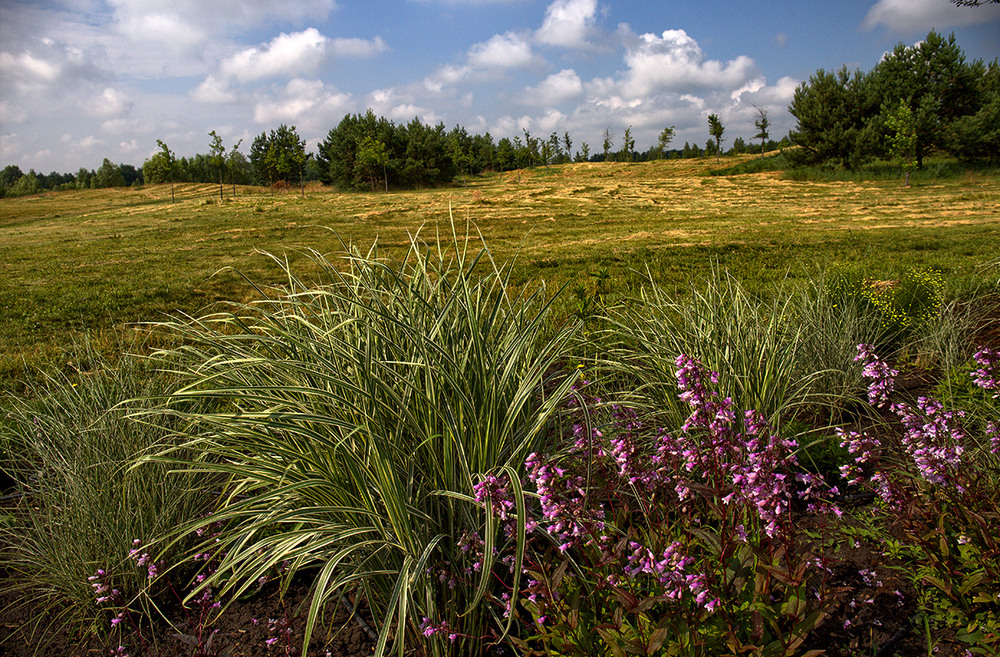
354	419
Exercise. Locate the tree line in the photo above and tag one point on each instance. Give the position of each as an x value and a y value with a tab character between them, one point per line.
364	151
917	100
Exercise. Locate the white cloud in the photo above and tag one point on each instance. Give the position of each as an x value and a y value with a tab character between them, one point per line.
213	91
673	62
446	76
556	88
189	23
750	87
109	103
286	54
28	69
357	47
551	121
508	50
568	23
923	15
303	102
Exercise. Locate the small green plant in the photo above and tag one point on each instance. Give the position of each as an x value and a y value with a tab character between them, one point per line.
901	305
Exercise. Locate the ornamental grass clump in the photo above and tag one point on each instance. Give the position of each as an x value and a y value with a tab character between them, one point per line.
81	499
754	345
354	419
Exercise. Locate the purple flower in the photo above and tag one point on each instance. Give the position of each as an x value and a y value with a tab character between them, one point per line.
987	376
882	376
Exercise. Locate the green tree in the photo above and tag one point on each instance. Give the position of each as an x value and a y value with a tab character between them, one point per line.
217	155
902	138
933	78
372	159
716	129
568	144
555	148
168	163
666	136
460	148
833	112
10	175
628	144
584	154
505	154
531	152
977	134
25	185
234	163
607	142
108	175
263	175
763	124
279	156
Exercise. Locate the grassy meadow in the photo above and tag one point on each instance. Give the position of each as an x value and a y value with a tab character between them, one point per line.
775	423
92	260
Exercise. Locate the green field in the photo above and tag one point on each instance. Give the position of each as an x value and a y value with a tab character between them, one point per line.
72	262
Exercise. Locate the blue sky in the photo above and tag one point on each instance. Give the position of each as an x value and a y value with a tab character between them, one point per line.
81	80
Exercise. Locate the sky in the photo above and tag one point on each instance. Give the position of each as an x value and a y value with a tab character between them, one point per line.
84	80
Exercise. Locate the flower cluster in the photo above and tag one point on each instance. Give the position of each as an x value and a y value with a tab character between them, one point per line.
106	594
566	513
987	376
494	493
143	560
883	377
932	439
429	628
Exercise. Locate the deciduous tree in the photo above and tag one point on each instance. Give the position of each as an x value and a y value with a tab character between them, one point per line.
628	144
716	129
902	138
763	124
217	153
169	163
666	136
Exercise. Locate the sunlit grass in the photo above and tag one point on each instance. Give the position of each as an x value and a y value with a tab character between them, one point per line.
79	260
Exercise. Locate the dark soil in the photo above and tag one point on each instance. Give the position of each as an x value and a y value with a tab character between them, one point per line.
242	631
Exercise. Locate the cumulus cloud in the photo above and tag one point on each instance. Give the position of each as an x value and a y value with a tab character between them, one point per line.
508	50
568	23
286	54
192	22
48	67
213	91
357	47
302	102
446	76
556	88
109	103
924	15
674	62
